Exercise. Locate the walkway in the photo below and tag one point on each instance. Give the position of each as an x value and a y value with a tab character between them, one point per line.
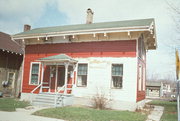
156	113
24	115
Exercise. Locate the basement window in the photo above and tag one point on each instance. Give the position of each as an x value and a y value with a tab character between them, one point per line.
34	73
82	75
117	75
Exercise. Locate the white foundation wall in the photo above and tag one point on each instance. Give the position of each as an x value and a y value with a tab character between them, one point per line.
26	96
99	81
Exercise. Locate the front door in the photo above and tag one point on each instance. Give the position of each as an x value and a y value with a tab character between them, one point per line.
61	76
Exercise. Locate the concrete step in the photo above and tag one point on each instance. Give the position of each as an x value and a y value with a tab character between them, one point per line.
47	99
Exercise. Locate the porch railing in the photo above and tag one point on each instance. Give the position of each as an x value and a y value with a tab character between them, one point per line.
59	95
32	92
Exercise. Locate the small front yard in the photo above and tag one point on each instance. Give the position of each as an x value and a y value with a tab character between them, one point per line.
170	110
89	114
10	104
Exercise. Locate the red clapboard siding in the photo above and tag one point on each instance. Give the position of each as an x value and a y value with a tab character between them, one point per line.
83	47
126	48
140	95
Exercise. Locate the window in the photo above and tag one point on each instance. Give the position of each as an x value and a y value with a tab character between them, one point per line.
82	75
34	73
117	75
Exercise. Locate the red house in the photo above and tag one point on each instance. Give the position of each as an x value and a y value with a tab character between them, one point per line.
68	65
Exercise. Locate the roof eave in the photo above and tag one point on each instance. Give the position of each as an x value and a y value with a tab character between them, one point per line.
79	32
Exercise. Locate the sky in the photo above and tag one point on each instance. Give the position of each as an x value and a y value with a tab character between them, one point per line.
43	13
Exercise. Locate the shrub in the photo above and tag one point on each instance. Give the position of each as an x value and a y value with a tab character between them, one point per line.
99	101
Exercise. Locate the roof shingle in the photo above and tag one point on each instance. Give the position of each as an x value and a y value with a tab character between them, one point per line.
7	44
114	24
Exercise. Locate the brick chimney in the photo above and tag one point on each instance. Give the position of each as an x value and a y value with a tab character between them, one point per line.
27	27
89	19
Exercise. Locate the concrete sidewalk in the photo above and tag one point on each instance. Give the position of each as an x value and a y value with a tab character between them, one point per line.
24	115
156	113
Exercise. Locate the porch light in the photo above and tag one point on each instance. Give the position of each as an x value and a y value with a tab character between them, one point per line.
46	38
129	34
38	38
23	40
151	31
105	34
73	36
94	35
64	37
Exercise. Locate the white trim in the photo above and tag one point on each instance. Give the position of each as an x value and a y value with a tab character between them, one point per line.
31	71
140	77
77	74
22	73
79	32
144	78
111	86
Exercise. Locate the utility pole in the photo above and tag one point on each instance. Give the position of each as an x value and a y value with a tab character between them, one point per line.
178	81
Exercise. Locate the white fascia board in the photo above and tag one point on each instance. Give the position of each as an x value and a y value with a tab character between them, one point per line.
58	60
81	32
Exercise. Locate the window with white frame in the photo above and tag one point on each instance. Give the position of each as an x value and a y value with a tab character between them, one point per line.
117	75
34	73
82	75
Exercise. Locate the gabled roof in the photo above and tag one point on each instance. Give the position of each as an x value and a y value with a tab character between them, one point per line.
84	27
7	44
153	84
56	58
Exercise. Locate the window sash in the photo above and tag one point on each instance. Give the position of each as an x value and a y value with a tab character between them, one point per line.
117	75
82	75
34	76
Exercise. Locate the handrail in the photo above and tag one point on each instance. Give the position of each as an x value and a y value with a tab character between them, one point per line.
61	89
36	88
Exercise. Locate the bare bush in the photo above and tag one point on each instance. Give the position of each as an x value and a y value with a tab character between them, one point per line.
99	101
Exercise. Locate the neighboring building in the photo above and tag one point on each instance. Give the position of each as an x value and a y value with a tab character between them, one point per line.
11	56
154	89
71	64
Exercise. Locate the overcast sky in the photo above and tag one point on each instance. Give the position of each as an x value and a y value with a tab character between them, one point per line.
42	13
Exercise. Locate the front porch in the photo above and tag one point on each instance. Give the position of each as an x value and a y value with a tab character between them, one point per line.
57	80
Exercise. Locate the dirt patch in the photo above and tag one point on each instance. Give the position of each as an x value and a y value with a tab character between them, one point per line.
146	109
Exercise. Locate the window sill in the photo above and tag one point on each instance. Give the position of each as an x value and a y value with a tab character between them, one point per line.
116	88
82	86
33	84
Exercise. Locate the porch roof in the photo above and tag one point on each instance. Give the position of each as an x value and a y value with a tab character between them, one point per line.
58	58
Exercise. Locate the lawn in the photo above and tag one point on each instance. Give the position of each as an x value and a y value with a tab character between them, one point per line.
10	104
89	114
170	110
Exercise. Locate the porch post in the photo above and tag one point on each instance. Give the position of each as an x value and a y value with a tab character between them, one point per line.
42	76
74	67
66	77
56	78
50	78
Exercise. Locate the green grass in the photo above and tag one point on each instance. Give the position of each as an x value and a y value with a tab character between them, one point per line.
10	104
170	110
89	114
